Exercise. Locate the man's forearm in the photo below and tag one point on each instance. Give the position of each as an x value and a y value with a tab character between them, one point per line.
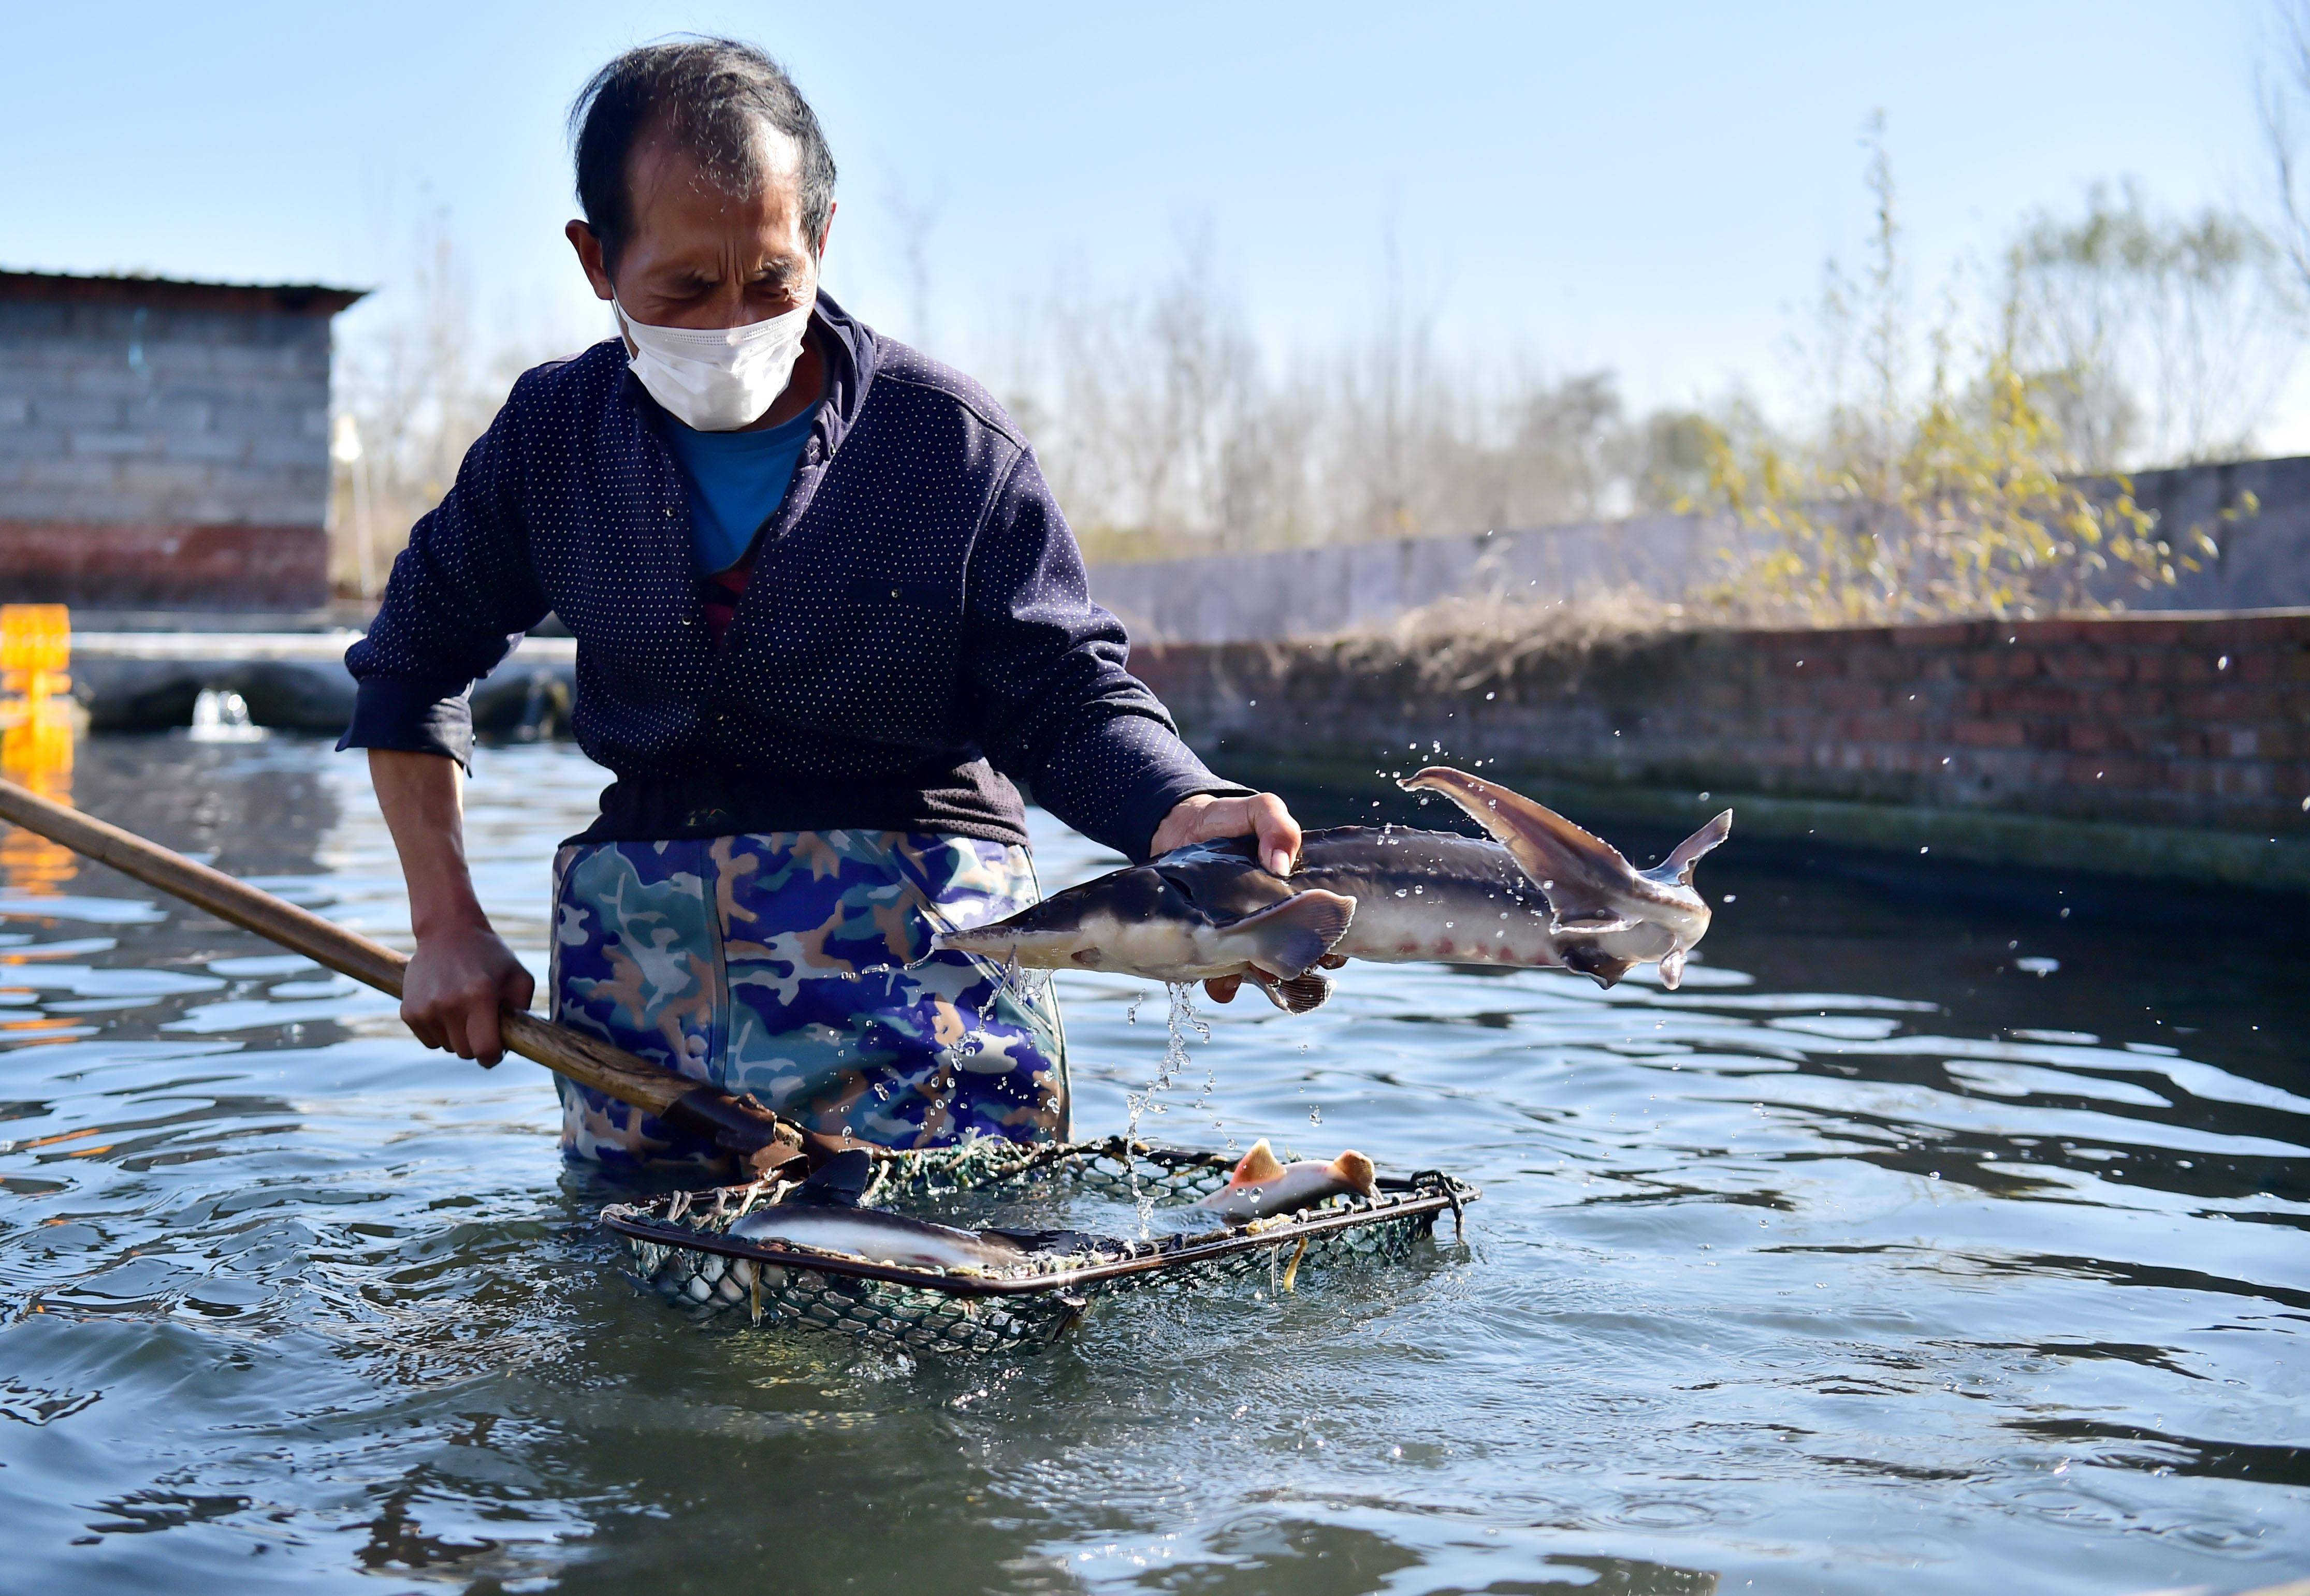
422	797
461	974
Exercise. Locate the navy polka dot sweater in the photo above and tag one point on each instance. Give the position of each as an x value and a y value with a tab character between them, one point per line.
917	630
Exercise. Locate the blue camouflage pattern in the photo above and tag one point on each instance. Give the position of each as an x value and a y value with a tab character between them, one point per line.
785	964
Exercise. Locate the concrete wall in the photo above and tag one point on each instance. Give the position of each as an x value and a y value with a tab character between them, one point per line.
162	453
1310	593
2265	557
2197	727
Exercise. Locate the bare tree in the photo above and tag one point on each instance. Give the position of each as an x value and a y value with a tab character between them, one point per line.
1164	429
412	395
2157	340
1393	406
915	218
2282	81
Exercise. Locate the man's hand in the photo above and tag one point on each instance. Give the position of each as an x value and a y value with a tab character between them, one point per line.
1207	819
458	982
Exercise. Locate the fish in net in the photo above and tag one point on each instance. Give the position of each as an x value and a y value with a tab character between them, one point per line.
682	1245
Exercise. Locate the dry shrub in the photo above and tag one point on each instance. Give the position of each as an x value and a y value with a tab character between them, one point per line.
1462	645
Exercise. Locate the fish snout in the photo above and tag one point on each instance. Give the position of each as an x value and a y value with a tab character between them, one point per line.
1040	936
978	940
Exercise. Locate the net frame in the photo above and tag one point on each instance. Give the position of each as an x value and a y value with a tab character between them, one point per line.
679	1243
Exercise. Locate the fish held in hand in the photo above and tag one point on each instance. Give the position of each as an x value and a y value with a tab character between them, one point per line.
1205	910
1539	891
1263	1185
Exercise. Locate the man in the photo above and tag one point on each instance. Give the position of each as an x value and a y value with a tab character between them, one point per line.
825	610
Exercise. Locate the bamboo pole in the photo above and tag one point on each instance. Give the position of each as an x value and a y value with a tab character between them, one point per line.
740	1125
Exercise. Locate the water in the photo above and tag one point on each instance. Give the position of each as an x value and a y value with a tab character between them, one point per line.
1908	1247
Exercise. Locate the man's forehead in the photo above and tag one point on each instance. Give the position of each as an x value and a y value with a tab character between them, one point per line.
661	158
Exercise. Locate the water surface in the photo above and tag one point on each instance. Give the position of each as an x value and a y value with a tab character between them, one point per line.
1913	1244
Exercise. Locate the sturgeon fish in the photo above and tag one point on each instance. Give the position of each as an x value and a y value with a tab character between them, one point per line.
1538	891
1263	1185
879	1237
825	1213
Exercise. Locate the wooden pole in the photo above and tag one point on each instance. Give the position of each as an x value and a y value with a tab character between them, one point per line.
740	1125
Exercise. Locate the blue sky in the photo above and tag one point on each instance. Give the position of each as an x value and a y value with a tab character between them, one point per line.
1648	188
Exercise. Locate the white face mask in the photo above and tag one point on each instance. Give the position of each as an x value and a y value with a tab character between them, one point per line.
716	380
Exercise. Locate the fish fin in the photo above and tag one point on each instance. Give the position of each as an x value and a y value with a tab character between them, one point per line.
1288	938
1598	966
1260	1163
1677	866
1352	1169
1596	924
1578	872
1049	1240
1672	968
840	1182
1295	996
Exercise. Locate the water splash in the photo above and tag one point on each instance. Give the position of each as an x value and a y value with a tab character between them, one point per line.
221	716
1181	1021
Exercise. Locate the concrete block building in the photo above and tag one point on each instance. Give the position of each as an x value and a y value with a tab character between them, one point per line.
164	443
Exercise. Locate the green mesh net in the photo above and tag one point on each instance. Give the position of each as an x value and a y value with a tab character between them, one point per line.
679	1244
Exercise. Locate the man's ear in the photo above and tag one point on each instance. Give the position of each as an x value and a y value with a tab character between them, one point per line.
589	256
825	232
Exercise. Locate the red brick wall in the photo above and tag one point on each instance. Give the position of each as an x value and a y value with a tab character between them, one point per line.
208	567
2192	720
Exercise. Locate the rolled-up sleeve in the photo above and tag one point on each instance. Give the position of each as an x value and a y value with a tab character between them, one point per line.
1059	709
461	595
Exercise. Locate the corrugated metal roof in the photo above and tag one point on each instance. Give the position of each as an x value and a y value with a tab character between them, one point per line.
174	293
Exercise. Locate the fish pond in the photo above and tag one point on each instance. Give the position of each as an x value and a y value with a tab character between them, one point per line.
1925	1238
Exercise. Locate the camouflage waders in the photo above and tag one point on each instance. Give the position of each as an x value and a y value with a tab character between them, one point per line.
778	964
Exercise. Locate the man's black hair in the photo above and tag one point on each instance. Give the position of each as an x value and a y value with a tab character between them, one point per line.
710	96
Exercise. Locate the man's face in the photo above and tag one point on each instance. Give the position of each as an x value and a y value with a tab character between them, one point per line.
697	256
